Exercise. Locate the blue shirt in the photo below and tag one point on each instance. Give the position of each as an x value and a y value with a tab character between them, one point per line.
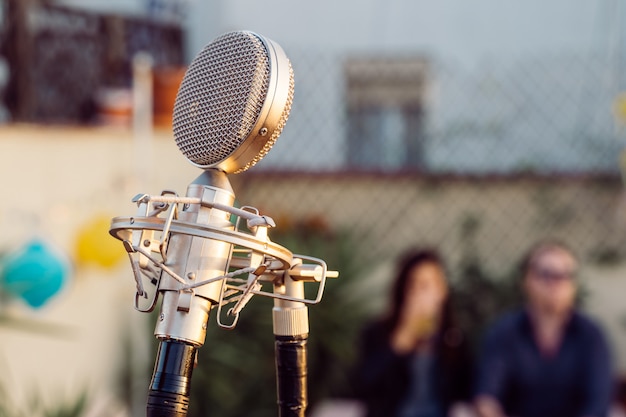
576	381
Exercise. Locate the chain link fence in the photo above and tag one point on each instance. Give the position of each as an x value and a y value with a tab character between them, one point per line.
511	151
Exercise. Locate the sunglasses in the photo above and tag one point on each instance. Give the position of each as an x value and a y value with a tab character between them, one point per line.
552	275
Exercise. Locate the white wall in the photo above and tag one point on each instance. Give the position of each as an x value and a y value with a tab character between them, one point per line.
126	7
53	182
456	29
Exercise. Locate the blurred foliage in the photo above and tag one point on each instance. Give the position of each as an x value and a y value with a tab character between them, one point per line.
479	297
37	407
606	255
34	405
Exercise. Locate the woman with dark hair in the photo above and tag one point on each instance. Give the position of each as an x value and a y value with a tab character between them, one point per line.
415	362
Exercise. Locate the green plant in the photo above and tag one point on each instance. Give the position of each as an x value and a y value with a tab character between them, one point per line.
36	406
479	298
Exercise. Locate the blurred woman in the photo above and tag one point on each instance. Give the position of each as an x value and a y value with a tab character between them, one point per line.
415	362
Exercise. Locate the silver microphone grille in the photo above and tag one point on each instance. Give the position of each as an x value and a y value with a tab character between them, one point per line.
233	102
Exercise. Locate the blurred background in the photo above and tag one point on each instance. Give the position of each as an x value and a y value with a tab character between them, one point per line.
475	127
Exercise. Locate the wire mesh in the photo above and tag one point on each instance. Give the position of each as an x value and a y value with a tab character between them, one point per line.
513	151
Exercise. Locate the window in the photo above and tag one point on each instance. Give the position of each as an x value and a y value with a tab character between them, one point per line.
385	113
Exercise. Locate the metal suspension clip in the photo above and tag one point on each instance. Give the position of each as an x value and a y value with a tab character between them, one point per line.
146	237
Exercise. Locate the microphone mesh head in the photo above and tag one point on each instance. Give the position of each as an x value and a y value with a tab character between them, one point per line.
222	98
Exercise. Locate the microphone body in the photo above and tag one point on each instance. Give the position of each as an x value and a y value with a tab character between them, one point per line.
232	105
182	323
184	314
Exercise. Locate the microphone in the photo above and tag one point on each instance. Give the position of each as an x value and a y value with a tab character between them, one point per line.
233	102
232	105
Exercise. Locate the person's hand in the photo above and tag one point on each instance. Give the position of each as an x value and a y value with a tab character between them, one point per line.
487	406
410	332
402	340
462	409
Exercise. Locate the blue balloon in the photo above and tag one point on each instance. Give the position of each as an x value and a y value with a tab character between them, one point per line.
35	274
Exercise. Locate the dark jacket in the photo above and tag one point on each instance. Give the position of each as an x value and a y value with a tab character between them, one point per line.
576	381
382	377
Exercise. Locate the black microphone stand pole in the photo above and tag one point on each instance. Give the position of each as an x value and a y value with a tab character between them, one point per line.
291	331
171	380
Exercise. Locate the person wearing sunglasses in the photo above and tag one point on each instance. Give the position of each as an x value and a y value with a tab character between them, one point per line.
547	359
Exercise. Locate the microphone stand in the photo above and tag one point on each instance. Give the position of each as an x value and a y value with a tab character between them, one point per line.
168	395
291	331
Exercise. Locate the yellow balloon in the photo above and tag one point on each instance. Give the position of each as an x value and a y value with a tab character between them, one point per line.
619	107
94	244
